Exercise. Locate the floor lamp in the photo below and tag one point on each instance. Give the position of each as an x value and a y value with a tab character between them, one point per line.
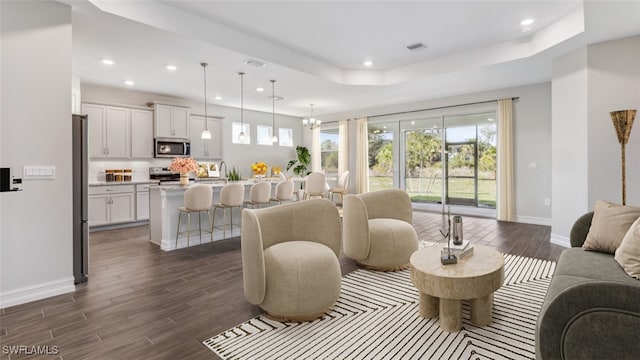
622	122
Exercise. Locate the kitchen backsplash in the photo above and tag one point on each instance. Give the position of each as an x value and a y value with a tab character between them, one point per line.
140	169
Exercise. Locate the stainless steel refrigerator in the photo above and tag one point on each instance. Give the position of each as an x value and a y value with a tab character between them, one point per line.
80	199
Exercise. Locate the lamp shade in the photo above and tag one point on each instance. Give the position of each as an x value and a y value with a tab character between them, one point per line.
622	122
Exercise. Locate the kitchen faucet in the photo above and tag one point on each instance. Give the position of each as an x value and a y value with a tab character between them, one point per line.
225	168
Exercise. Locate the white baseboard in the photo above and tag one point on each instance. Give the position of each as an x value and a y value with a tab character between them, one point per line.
560	240
533	220
36	292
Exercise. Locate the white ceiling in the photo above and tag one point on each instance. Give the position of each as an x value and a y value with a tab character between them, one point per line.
315	49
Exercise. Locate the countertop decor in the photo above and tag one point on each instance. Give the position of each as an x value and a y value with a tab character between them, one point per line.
184	166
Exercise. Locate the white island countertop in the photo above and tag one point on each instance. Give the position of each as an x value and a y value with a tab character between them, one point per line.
164	201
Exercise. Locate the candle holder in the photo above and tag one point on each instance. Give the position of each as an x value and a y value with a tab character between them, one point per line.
449	258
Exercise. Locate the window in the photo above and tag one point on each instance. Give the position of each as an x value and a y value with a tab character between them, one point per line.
236	128
329	144
285	136
264	135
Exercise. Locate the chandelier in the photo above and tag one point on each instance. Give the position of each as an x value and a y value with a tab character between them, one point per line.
311	122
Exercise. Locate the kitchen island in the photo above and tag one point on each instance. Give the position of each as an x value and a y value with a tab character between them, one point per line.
164	201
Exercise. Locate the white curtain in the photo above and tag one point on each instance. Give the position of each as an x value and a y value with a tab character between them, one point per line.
316	159
343	146
505	203
362	156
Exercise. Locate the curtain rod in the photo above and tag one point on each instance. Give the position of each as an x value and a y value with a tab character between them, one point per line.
427	109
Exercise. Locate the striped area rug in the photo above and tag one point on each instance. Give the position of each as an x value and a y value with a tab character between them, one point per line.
376	317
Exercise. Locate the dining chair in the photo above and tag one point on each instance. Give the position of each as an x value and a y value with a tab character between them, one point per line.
341	188
315	185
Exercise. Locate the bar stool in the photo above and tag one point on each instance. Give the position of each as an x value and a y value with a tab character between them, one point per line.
315	185
197	198
259	194
231	196
283	191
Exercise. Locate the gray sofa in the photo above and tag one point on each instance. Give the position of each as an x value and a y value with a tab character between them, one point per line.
592	307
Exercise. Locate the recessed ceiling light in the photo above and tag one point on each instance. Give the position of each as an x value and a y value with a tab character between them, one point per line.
276	98
259	89
171	67
107	61
129	82
491	119
367	63
218	98
526	22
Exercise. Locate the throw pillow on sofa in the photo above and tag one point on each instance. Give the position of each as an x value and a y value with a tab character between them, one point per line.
628	254
609	225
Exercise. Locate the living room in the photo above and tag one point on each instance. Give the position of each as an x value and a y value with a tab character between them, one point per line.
565	148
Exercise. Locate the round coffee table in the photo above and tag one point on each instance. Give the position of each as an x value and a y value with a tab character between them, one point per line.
443	287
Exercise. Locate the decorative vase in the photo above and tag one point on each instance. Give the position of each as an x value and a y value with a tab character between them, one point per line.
184	179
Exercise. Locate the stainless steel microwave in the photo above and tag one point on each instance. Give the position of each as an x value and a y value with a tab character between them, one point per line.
168	147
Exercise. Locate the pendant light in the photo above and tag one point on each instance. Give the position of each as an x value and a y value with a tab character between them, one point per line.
274	138
206	134
241	136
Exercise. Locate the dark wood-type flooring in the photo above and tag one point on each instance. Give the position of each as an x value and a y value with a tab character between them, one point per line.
144	303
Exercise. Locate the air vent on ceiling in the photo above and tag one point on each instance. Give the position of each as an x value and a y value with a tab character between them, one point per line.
275	98
255	63
417	47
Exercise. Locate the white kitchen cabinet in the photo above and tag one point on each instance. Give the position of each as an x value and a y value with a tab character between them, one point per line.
142	202
98	210
202	149
111	204
142	134
171	121
108	131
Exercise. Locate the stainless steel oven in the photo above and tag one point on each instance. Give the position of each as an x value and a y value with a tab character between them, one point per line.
168	147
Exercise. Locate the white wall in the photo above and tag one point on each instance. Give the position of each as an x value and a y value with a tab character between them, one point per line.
35	129
532	139
237	155
614	84
587	84
569	142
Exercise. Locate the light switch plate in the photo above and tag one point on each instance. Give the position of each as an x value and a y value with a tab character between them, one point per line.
39	172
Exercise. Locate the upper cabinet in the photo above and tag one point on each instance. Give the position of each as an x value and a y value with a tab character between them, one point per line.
141	134
171	121
202	149
108	131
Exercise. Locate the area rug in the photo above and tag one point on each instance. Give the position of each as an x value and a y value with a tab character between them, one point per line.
376	317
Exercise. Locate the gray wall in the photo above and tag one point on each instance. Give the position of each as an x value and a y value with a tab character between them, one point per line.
35	129
532	139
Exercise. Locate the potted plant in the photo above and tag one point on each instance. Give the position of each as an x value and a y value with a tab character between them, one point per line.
233	175
300	164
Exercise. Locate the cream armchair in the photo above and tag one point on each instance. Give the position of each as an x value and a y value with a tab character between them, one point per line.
377	232
290	258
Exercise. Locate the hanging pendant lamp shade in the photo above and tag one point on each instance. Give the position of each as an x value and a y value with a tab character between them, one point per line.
206	134
241	137
274	138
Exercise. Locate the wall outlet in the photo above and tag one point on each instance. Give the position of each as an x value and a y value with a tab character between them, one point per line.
547	202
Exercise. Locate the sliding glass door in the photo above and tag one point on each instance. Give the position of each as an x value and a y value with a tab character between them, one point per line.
422	154
444	159
383	156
